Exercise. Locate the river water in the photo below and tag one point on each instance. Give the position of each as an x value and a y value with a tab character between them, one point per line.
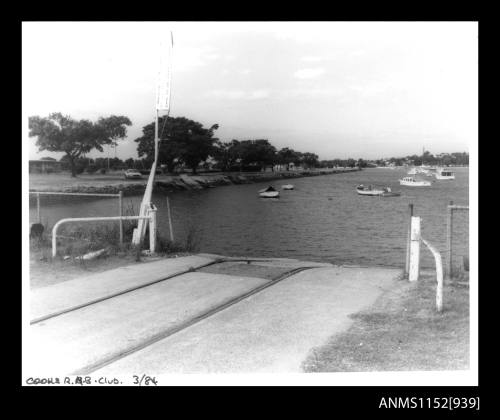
322	219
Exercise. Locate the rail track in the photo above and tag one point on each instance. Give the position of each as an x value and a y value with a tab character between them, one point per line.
86	370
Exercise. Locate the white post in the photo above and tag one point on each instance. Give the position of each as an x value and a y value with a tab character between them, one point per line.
439	275
439	290
170	221
414	249
407	262
120	205
38	207
152	229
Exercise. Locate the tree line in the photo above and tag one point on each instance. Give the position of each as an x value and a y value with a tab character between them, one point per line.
427	158
185	143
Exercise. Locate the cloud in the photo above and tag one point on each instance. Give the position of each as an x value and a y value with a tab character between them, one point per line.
309	73
238	94
316	92
259	94
190	58
311	58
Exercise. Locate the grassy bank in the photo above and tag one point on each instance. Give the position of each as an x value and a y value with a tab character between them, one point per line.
402	332
114	182
76	241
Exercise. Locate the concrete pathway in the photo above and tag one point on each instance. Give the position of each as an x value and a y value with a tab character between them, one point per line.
69	294
269	332
78	339
139	329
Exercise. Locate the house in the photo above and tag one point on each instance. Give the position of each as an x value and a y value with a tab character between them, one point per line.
44	166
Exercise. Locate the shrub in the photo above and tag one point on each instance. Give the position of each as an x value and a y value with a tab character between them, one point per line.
91	169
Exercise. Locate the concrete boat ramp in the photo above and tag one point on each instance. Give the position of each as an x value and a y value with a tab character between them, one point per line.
198	314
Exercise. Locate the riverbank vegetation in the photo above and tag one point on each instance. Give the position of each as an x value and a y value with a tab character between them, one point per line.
402	332
76	243
186	145
61	133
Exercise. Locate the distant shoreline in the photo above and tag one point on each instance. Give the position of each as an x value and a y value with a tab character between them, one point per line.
114	183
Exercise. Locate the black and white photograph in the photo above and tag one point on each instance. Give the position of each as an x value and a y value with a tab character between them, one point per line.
250	203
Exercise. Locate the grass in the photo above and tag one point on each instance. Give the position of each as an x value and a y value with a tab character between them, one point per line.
76	240
402	332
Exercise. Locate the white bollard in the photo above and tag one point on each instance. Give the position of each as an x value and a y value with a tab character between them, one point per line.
152	229
414	249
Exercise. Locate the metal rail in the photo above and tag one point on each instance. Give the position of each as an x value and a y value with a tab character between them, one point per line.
151	217
119	195
439	275
174	330
63	193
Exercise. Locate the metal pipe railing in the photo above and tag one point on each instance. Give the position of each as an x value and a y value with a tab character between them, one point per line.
439	274
63	193
119	195
94	219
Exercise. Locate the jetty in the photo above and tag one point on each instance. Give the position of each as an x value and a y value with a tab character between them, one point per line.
203	313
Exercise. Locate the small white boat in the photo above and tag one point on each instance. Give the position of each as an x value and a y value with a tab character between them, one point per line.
412	171
368	190
376	191
444	174
287	187
269	192
409	181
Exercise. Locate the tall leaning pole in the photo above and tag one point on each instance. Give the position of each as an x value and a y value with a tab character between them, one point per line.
162	104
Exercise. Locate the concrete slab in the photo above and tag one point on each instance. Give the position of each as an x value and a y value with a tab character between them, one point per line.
72	341
269	332
62	296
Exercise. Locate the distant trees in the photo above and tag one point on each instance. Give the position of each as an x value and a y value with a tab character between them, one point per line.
310	160
442	159
61	133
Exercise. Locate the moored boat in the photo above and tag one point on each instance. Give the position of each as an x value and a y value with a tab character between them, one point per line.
269	192
444	174
376	191
368	190
287	187
410	181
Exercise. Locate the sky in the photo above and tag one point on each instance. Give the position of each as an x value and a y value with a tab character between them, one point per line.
338	89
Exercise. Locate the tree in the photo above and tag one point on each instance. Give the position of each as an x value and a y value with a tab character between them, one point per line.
181	140
259	152
130	163
362	163
227	154
351	163
61	133
310	159
286	156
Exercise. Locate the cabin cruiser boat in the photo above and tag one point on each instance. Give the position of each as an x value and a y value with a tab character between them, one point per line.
444	174
410	181
287	187
269	192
